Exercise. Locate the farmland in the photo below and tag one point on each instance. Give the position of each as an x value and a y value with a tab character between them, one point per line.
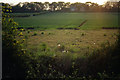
52	29
69	20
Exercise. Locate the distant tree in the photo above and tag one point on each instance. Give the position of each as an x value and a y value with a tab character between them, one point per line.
46	6
61	5
41	6
67	5
53	6
112	6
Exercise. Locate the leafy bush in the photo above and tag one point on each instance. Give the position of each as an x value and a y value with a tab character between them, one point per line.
42	32
82	34
105	35
11	48
28	31
35	33
20	15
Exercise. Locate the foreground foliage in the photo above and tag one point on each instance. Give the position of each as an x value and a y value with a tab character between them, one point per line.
12	49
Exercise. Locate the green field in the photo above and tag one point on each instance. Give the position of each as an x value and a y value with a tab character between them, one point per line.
81	39
69	20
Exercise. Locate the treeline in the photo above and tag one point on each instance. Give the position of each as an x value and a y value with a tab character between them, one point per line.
66	7
25	14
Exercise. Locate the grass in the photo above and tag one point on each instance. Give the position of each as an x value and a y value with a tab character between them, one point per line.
69	20
72	41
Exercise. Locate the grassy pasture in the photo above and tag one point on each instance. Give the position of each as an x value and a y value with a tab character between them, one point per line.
74	41
69	20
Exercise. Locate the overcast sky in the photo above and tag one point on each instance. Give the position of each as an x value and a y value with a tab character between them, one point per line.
72	1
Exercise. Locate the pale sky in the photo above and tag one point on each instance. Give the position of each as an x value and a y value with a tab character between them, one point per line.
72	1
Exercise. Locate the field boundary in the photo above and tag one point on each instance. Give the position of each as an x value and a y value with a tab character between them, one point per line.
82	23
110	27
